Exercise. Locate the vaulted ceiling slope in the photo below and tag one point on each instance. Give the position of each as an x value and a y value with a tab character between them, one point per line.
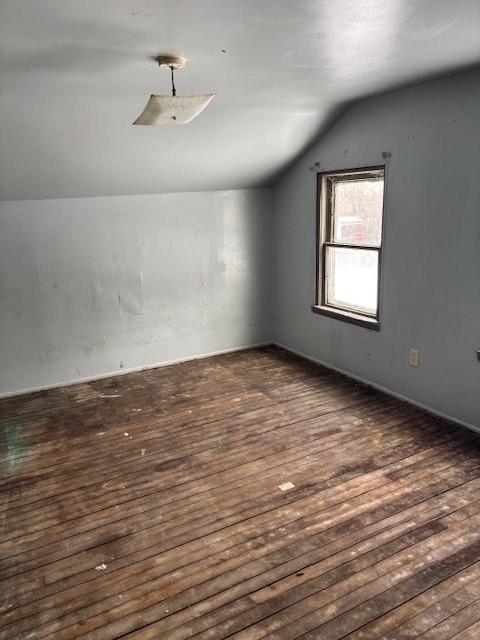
75	74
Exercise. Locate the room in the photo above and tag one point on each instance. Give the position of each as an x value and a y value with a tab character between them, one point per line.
240	319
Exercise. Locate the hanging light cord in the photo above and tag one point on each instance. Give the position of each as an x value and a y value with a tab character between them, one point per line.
174	91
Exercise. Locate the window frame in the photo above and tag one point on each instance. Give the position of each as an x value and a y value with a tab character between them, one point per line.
324	239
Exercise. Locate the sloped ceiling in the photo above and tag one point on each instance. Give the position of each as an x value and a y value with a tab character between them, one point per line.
76	73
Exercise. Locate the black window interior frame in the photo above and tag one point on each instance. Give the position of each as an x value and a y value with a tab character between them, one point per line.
324	239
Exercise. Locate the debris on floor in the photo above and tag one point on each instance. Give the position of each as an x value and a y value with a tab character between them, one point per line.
286	486
101	567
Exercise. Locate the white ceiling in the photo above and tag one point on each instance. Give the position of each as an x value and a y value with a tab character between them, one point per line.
76	73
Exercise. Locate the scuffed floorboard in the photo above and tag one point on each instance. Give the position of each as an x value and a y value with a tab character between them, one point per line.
251	495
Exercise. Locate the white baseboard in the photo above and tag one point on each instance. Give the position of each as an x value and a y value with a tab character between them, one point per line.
379	387
122	372
167	363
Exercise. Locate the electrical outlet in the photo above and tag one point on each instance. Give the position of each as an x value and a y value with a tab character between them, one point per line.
413	360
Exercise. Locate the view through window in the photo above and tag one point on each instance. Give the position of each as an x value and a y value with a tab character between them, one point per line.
350	242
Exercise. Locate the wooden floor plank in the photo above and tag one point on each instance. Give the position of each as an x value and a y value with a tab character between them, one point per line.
315	476
419	614
470	633
150	506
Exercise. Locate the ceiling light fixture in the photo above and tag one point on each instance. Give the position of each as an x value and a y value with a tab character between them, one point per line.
173	109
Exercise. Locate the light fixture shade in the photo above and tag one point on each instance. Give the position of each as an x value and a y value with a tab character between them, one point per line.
173	109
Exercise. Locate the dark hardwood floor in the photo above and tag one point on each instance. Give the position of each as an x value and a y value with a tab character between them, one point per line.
250	495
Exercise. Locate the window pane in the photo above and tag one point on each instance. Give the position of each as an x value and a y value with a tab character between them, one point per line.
357	211
352	279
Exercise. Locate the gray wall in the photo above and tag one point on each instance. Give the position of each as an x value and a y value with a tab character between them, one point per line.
431	271
93	285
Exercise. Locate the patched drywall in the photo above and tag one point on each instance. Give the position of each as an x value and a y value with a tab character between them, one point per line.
431	272
95	285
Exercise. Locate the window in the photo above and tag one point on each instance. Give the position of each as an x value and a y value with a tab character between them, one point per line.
349	245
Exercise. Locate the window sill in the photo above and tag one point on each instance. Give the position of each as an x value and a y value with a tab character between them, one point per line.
347	316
